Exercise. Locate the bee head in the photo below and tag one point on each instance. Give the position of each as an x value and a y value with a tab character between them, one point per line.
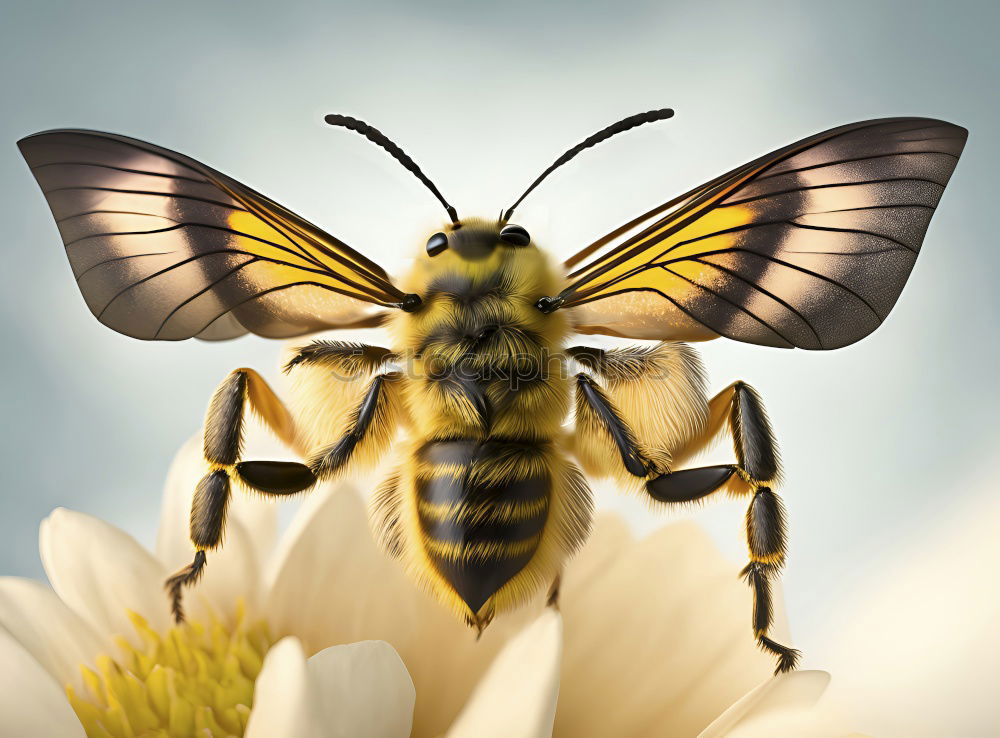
477	240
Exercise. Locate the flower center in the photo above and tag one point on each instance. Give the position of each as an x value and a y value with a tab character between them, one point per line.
196	679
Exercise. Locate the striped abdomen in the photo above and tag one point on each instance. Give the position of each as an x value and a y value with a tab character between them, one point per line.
482	507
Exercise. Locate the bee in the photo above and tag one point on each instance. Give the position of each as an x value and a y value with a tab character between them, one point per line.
806	247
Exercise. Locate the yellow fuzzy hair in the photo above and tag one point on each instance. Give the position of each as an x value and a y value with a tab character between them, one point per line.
662	399
323	404
535	341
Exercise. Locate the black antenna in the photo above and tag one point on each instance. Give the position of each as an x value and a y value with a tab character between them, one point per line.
377	137
621	126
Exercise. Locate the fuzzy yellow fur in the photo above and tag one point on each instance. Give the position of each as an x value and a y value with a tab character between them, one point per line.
323	403
662	398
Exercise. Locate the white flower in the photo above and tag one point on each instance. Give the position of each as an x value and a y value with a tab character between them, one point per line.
652	640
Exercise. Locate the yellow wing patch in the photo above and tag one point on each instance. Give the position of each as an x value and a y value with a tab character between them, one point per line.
164	247
806	247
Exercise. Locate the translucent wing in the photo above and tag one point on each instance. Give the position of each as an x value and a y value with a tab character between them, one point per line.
164	247
806	247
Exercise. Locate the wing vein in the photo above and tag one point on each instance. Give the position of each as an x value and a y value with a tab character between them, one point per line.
732	304
201	292
171	195
859	231
768	293
114	212
203	254
789	265
120	258
120	169
806	188
836	162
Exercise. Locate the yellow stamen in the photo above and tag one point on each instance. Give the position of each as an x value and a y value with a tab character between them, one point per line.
196	679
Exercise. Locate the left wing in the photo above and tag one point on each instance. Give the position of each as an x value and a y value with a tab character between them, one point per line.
806	247
165	247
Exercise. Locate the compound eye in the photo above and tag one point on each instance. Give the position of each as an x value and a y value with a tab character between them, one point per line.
436	244
515	235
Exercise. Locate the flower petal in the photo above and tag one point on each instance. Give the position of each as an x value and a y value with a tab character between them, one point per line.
329	583
784	706
365	689
608	539
55	636
447	660
774	700
255	515
915	643
102	573
658	640
517	696
31	702
283	705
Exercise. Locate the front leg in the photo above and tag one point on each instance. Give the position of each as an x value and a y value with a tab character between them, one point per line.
659	389
370	429
344	358
596	413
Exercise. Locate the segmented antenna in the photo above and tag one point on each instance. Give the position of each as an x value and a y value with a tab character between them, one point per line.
621	126
380	139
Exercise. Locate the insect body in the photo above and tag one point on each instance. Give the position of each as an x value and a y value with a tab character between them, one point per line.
806	247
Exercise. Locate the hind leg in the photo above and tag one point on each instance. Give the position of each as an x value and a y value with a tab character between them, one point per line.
739	408
222	448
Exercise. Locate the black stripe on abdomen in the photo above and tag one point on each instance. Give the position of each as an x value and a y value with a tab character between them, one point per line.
482	507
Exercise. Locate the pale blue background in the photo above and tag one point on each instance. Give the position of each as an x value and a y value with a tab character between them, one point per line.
485	95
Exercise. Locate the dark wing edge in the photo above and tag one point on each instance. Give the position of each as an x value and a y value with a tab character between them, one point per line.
164	247
808	246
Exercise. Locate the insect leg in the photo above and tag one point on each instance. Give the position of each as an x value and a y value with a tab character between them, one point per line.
350	358
369	430
643	366
668	375
595	409
765	522
659	390
223	445
688	485
739	412
208	520
758	467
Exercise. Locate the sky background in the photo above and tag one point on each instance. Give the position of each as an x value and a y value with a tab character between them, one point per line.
881	440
